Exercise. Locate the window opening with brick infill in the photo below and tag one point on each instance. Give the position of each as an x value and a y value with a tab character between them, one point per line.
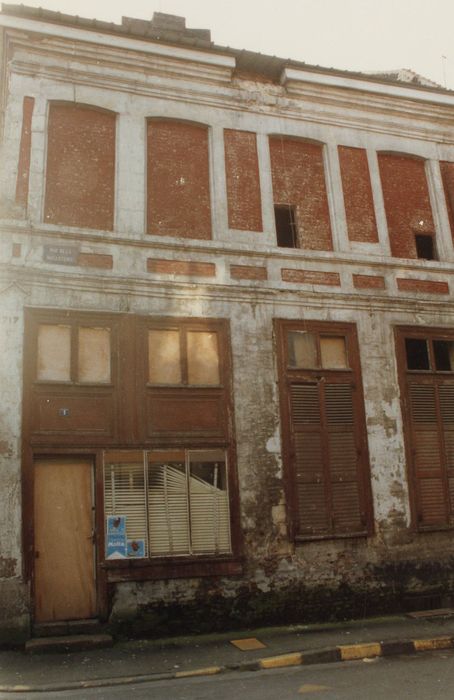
324	430
426	361
286	231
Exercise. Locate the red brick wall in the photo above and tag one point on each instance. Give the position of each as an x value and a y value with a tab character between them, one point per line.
181	267
369	281
331	279
359	203
447	174
178	179
23	168
407	202
243	181
299	180
80	177
423	286
248	272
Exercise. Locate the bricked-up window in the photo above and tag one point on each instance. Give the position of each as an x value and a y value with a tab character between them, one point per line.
358	199
426	362
407	202
298	176
447	174
325	448
178	179
174	502
80	172
243	181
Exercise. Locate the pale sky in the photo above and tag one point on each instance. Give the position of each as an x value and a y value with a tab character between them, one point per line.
364	35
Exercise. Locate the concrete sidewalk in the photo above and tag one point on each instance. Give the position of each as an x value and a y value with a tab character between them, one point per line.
146	660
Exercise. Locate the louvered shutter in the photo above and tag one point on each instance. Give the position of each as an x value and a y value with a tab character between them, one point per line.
124	494
168	511
210	520
343	456
428	460
446	394
313	515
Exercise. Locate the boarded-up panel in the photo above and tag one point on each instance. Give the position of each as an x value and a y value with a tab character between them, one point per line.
64	554
333	353
94	355
178	180
447	174
80	172
243	182
299	180
203	358
185	412
428	460
85	413
358	200
407	202
164	361
54	353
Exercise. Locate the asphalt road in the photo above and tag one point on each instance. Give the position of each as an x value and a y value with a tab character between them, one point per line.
428	676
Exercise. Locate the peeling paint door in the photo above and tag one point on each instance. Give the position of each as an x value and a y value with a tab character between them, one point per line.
64	583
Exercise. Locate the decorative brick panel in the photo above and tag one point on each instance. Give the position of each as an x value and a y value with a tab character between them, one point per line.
248	272
178	180
358	199
407	202
447	174
243	180
95	260
331	279
369	282
181	267
299	180
423	286
23	168
80	176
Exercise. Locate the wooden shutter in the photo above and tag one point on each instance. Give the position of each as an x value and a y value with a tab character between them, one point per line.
427	453
446	394
168	512
343	456
313	512
326	459
124	494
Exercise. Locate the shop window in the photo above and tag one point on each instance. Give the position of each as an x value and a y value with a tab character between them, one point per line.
71	353
324	430
426	360
167	503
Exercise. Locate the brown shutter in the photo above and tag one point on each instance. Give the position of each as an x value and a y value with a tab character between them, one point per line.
428	462
343	456
313	515
446	396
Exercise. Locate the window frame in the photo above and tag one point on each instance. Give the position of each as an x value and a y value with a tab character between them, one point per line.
427	377
288	377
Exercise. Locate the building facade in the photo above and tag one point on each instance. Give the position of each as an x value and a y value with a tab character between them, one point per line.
227	332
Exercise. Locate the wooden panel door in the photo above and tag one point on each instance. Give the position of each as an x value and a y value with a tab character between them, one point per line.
64	551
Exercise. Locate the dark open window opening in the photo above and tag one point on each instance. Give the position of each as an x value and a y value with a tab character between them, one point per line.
425	248
417	352
284	215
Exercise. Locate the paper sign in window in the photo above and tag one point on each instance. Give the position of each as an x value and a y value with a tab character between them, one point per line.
164	362
94	355
203	358
54	353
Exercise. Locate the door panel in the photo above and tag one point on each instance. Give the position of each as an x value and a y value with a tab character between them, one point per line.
64	551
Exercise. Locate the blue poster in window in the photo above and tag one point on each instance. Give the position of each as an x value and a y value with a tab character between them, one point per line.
136	548
116	547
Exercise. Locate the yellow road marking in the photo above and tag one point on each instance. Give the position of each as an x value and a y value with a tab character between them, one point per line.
308	688
437	643
282	660
359	651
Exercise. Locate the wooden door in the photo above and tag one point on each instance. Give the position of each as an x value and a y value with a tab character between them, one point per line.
64	551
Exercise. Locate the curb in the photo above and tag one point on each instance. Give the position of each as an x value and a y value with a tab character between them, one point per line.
349	652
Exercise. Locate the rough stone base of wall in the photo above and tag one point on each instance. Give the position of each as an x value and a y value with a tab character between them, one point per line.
14	612
391	588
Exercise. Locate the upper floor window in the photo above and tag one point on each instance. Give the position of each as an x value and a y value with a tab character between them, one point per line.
178	179
407	203
179	355
300	195
80	171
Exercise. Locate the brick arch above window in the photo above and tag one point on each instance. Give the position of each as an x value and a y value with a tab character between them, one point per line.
80	172
178	181
407	204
